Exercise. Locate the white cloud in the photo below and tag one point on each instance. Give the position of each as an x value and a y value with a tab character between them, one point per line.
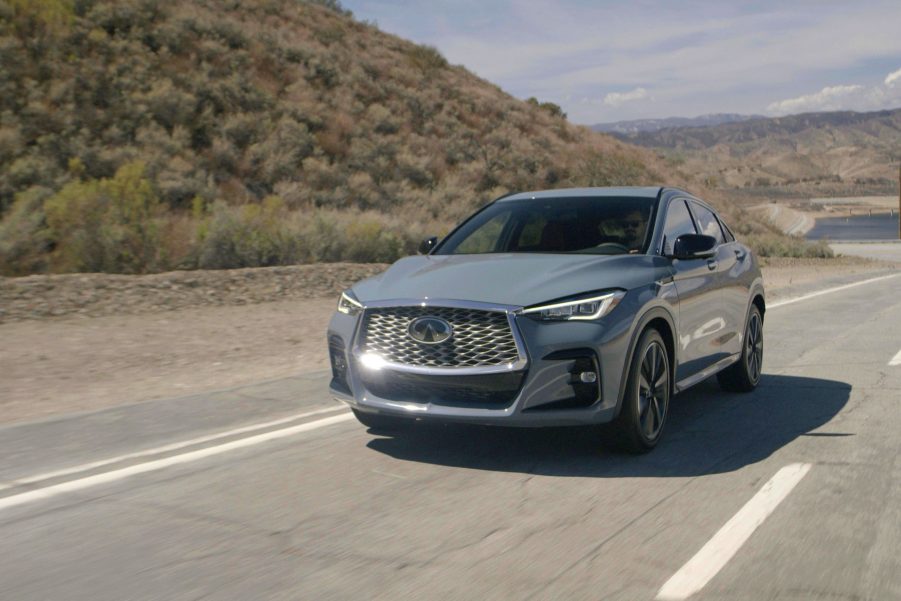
892	77
844	97
828	99
619	98
693	57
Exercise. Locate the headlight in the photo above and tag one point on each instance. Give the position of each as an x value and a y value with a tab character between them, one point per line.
348	305
588	308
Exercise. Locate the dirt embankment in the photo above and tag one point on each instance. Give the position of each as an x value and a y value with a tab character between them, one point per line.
80	342
99	294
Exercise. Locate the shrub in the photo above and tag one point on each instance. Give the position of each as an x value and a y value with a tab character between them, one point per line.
552	109
367	241
24	242
332	5
778	245
426	58
610	170
253	235
280	156
106	225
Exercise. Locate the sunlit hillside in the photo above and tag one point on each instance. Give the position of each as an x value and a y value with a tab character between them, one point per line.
141	136
815	154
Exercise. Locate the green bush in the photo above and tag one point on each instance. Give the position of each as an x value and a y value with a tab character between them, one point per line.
254	235
426	58
24	241
105	225
552	109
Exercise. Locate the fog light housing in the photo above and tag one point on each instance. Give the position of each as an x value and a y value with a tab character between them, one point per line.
338	360
583	383
585	380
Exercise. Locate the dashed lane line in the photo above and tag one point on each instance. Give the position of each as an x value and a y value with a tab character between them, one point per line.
84	467
707	562
896	360
798	299
151	466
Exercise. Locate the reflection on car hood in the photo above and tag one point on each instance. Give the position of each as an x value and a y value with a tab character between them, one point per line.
509	279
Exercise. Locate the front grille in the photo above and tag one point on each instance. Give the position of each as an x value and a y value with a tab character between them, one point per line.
486	391
480	339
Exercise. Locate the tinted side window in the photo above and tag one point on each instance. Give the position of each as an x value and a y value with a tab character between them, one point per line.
678	222
730	237
708	223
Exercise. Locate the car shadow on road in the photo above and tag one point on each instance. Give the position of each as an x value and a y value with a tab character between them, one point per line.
709	431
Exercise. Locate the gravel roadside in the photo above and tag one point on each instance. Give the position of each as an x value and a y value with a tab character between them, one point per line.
83	342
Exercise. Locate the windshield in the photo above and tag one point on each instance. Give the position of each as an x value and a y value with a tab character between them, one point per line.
600	225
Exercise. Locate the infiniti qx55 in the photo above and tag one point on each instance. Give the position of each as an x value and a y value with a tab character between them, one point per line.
589	306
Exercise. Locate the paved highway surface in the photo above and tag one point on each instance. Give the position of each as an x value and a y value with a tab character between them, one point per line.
857	227
791	492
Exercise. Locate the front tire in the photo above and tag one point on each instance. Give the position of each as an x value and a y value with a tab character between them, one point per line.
645	406
744	374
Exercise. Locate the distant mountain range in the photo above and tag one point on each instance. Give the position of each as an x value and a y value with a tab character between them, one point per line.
811	154
650	125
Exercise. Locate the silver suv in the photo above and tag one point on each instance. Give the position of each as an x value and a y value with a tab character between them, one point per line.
561	307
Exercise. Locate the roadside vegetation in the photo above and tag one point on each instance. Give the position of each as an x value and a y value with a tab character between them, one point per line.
138	136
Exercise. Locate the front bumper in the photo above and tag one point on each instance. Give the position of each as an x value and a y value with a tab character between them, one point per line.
544	389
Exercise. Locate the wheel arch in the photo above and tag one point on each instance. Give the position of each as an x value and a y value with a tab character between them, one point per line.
661	320
760	303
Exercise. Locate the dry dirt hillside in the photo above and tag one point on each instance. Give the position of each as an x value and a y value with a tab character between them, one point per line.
141	136
817	154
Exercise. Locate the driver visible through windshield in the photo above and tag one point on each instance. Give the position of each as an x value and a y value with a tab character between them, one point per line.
583	225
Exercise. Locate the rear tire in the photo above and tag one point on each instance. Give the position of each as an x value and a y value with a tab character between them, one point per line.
381	423
645	406
744	374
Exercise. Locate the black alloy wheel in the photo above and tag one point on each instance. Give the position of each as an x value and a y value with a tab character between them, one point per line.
744	374
646	403
653	393
754	347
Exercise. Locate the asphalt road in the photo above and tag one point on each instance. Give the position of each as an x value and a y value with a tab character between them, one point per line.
881	251
798	485
856	227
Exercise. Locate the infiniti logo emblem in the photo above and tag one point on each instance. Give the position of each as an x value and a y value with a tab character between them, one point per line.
430	330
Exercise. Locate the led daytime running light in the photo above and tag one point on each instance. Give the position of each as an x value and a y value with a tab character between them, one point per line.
584	309
349	305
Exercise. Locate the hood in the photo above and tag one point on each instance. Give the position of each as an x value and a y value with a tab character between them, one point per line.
518	279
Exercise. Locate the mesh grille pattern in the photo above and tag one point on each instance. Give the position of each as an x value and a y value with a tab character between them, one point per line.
481	338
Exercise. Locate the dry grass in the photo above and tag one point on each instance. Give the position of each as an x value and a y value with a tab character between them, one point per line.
227	104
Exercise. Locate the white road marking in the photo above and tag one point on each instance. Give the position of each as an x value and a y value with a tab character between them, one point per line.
158	464
165	448
701	568
896	360
797	299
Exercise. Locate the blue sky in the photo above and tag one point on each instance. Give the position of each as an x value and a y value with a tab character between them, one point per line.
609	61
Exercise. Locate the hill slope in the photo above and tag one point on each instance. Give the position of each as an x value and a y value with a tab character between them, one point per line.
837	153
636	126
141	136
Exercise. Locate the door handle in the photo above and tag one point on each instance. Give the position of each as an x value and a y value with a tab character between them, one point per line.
739	254
711	265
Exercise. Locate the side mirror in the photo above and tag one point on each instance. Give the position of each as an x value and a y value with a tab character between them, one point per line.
426	246
694	246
